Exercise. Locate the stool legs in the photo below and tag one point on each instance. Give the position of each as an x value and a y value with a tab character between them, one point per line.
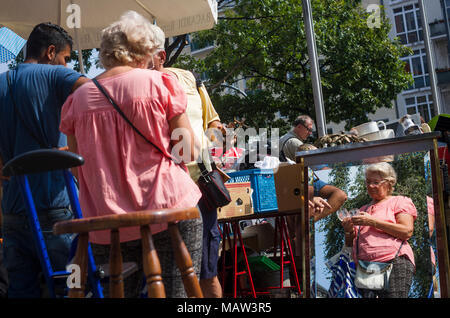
184	263
115	265
81	259
151	265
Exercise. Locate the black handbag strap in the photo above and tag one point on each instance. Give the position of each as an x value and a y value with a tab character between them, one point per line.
202	166
117	108
19	115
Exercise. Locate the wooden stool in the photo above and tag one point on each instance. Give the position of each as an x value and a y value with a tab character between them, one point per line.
151	265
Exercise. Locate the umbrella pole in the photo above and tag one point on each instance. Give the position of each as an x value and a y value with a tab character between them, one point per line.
315	72
80	52
80	60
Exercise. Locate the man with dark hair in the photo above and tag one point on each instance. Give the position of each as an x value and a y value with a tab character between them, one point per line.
31	97
47	35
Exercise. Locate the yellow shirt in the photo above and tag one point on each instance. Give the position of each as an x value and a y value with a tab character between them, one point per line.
200	112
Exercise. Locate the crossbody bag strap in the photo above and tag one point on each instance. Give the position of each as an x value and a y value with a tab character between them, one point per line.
117	108
19	115
202	166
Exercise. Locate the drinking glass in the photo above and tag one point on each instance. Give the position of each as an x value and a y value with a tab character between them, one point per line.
353	212
342	213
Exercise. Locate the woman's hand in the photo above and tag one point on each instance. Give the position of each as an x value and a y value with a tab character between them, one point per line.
403	229
347	224
364	218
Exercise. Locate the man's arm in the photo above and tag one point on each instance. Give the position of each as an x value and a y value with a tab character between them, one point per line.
335	198
80	81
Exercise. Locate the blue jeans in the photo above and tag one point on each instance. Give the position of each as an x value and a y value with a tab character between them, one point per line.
20	254
211	242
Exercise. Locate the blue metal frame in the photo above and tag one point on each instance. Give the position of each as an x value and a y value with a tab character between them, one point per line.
73	197
37	234
39	238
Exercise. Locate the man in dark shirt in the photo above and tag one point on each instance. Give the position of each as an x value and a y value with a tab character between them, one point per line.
29	120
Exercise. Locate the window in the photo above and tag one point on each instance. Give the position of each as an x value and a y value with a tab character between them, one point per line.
408	25
416	64
422	104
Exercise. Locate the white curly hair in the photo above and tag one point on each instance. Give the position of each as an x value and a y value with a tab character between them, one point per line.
129	41
385	171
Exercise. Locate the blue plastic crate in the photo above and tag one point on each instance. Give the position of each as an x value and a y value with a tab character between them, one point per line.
262	181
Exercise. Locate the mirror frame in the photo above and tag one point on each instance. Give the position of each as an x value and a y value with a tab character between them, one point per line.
358	151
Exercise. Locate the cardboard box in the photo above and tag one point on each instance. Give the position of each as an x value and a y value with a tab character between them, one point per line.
241	202
265	236
288	185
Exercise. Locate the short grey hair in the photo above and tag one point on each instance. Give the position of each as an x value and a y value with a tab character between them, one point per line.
385	171
302	119
129	40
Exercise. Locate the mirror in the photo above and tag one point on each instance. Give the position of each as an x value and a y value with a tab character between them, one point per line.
327	234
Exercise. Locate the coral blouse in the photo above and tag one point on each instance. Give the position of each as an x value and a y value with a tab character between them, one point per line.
122	172
376	245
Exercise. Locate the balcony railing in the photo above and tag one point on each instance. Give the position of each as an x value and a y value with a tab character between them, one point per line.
437	29
443	76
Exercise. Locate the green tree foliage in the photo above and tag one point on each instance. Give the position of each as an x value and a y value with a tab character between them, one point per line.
87	60
411	182
263	42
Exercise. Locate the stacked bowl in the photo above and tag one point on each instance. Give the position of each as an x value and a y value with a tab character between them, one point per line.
371	131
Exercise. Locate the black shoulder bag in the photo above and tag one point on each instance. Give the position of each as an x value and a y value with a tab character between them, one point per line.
215	193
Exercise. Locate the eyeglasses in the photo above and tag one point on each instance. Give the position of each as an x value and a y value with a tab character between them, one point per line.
310	130
375	183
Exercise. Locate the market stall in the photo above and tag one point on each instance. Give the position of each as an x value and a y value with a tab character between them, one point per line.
260	195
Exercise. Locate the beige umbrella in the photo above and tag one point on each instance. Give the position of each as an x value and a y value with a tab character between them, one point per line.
84	19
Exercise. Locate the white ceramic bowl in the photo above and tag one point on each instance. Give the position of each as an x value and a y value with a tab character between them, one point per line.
369	127
381	134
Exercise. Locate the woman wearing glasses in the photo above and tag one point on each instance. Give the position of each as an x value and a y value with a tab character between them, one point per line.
380	232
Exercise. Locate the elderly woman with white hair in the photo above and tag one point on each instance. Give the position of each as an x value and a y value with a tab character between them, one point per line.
125	171
379	233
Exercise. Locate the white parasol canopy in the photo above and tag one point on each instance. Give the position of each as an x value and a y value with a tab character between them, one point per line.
84	19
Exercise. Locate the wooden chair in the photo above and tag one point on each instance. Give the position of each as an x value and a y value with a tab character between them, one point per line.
151	264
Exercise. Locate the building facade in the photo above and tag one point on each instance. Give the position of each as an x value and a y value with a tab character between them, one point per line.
406	23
